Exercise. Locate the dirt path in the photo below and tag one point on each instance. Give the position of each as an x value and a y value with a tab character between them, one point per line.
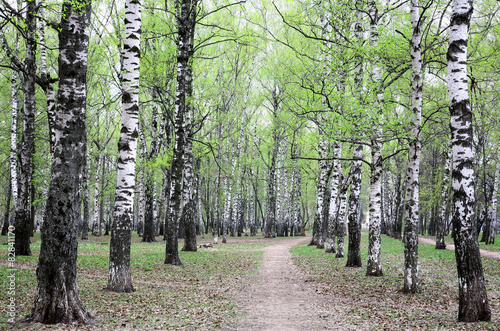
282	298
495	255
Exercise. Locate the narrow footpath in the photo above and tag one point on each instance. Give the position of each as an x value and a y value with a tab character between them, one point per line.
495	255
282	298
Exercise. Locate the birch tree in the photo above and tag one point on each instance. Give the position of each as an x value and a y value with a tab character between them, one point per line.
120	279
411	280
57	299
25	175
13	137
334	199
185	19
374	264
492	209
472	297
442	222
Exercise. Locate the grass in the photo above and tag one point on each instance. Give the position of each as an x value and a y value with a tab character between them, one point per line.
190	297
197	295
379	301
492	248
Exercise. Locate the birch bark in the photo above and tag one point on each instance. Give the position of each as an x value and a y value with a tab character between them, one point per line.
57	299
374	264
120	278
186	11
271	180
472	298
319	216
445	189
334	199
411	278
341	218
354	224
25	171
492	212
96	227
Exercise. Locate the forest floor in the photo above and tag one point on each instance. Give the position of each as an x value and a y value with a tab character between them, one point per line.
281	297
252	283
299	287
495	255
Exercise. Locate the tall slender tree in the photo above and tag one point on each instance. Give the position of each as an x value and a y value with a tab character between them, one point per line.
186	13
442	222
411	281
25	175
354	224
472	297
120	279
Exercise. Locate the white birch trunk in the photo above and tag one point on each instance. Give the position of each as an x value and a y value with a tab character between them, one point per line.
353	252
96	227
472	298
25	175
295	204
57	299
374	264
13	140
320	194
334	195
47	83
341	219
411	277
494	201
280	190
442	222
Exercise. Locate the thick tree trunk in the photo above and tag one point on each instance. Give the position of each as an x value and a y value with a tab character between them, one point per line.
472	298
353	248
57	299
120	278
